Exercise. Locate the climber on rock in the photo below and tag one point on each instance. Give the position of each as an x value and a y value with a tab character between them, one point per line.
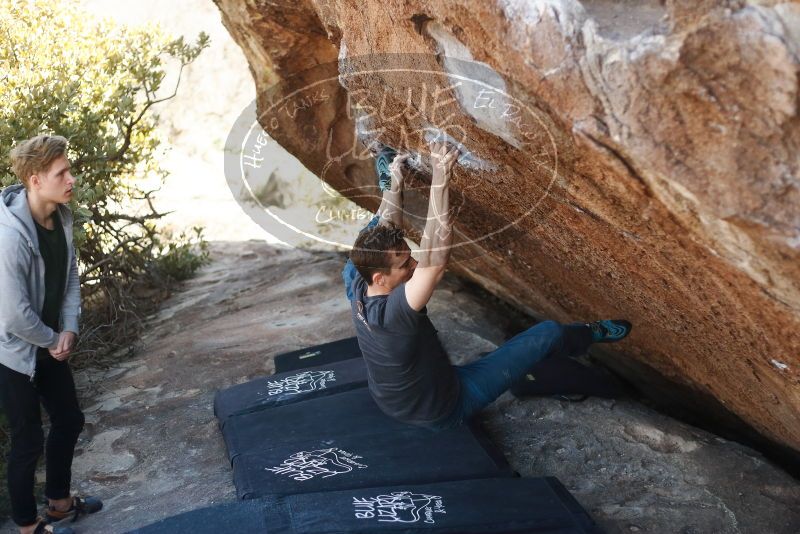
410	375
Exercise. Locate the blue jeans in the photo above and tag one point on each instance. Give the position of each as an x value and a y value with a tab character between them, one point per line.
483	380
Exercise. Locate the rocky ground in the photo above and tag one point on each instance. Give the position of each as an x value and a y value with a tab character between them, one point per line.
151	447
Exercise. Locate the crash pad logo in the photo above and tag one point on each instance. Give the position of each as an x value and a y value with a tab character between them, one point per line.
301	383
400	507
322	463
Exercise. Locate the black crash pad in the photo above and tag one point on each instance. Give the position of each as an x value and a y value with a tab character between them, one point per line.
497	506
237	516
344	441
335	351
293	386
349	413
328	463
568	376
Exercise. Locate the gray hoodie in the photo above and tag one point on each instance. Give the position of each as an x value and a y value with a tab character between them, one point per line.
22	284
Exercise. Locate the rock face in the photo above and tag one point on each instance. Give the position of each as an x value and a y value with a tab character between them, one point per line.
632	159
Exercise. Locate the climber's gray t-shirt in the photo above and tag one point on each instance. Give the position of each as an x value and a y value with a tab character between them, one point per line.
409	373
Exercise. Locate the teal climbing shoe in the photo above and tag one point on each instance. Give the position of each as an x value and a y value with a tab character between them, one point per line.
609	331
382	161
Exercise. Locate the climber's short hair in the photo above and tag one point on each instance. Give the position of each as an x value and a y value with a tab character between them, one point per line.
35	155
371	250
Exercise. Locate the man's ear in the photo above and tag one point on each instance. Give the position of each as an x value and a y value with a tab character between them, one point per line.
34	181
377	279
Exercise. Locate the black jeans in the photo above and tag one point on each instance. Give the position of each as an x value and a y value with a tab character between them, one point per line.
54	386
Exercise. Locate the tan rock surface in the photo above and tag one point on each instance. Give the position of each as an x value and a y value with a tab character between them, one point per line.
659	181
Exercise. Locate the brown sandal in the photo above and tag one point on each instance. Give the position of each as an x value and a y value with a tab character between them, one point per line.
80	506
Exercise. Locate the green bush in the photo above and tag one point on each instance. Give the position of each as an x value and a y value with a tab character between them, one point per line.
95	82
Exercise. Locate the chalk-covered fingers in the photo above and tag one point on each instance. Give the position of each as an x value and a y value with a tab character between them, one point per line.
396	170
396	165
443	157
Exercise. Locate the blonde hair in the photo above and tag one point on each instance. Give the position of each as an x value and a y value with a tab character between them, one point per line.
35	155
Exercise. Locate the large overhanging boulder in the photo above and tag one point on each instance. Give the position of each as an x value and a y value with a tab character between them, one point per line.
622	159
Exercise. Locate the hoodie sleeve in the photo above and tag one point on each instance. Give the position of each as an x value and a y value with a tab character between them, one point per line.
71	307
17	315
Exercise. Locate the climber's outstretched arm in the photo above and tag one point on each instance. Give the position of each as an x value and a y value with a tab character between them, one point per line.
391	208
390	212
437	238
